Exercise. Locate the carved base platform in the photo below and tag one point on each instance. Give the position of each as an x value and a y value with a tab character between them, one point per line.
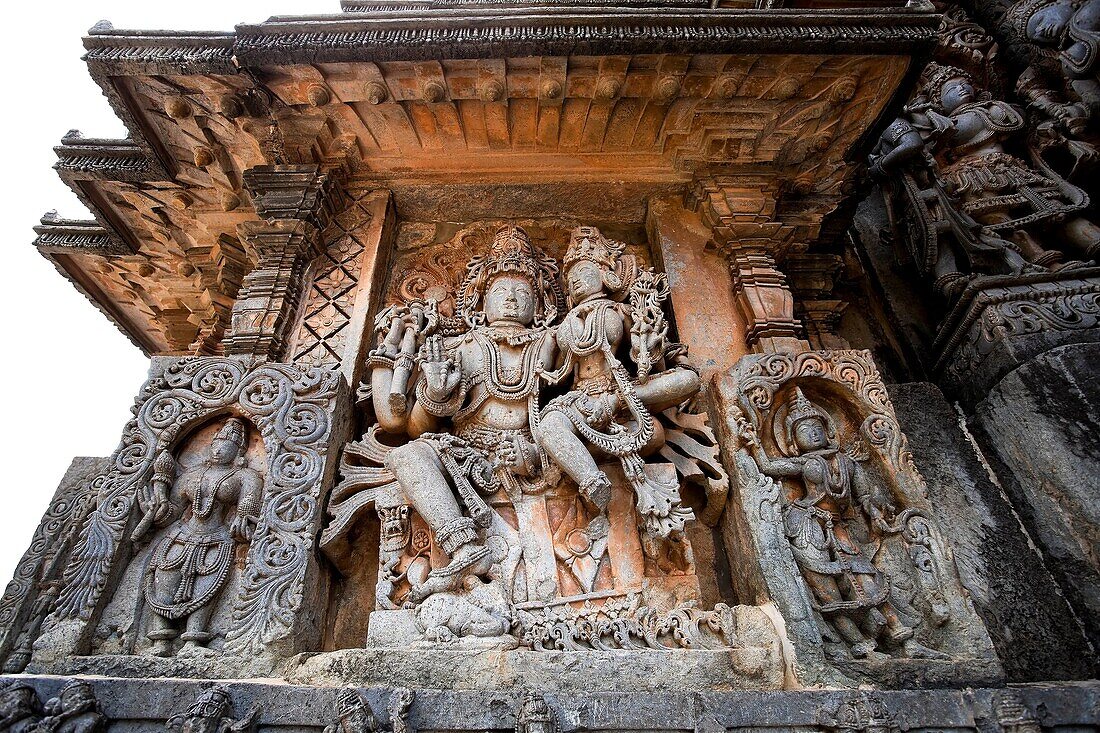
686	670
999	323
130	704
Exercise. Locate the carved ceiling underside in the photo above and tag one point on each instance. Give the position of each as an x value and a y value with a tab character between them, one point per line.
461	120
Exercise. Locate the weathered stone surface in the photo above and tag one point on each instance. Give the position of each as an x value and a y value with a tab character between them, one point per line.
1039	425
127	704
626	671
1035	632
839	521
627	461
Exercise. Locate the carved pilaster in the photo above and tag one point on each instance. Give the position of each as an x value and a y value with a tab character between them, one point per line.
295	202
270	293
813	279
742	220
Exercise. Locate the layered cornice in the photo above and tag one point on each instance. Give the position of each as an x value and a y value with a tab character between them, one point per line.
599	104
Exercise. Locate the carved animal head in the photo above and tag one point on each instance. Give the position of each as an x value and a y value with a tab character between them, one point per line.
396	527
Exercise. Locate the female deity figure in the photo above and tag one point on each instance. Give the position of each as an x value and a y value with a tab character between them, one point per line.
483	380
1011	200
190	566
607	409
849	590
1068	30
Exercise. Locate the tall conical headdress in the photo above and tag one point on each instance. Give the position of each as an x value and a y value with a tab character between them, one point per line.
799	408
936	75
233	431
589	243
512	253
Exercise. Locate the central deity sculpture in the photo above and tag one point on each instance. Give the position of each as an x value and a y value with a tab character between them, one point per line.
496	428
486	381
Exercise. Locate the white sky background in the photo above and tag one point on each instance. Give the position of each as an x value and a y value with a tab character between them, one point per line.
67	375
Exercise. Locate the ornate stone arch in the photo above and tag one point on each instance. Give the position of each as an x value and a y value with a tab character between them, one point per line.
293	409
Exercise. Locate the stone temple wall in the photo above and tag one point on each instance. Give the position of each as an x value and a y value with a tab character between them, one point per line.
617	367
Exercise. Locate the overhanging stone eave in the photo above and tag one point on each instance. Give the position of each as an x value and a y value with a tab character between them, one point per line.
479	34
58	239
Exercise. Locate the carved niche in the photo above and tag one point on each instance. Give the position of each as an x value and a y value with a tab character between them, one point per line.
198	514
530	458
290	409
831	505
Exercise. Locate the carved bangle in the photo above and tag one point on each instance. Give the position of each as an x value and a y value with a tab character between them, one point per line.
440	409
377	359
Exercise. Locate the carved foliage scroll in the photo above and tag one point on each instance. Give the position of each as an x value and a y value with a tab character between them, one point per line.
291	407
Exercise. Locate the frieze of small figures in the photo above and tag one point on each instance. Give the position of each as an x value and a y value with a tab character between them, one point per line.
212	712
73	710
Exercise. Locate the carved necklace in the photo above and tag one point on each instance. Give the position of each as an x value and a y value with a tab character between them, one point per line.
836	481
202	504
592	319
512	338
509	383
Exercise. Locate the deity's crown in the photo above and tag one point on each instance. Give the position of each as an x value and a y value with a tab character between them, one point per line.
512	251
799	408
1016	19
589	243
935	76
80	690
348	702
233	431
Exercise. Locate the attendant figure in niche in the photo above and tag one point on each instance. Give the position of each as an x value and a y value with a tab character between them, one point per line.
190	566
608	409
848	589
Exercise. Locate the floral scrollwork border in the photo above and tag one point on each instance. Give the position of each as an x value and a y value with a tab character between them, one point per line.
292	408
761	377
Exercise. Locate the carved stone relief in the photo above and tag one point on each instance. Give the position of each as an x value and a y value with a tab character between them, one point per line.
292	410
838	517
966	204
212	712
538	501
73	710
30	596
354	714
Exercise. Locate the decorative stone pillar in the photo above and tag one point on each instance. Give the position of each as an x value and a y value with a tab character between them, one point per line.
827	517
741	216
813	278
294	202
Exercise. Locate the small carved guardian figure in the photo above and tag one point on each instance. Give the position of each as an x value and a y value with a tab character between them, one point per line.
470	419
20	707
1006	214
863	714
535	716
608	410
353	714
74	710
848	589
191	564
212	712
400	701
